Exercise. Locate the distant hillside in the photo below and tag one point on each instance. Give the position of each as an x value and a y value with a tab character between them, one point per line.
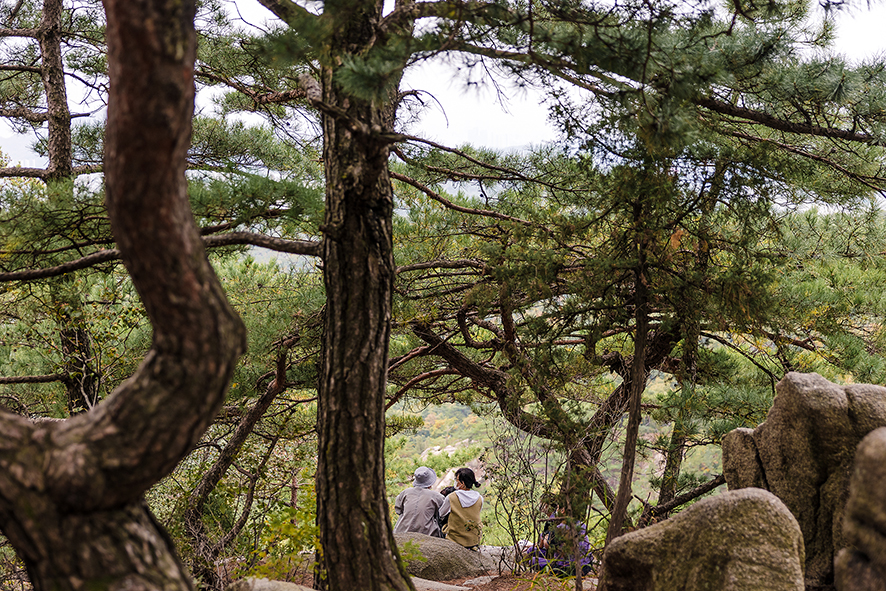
444	425
455	426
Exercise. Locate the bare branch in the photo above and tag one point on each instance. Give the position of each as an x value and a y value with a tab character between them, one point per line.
650	512
398	361
44	379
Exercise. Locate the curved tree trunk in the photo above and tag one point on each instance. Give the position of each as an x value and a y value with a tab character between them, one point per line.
71	491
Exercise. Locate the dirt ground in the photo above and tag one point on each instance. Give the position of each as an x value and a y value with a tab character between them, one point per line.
522	582
525	582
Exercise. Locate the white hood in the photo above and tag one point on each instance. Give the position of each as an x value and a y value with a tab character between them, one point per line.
467	497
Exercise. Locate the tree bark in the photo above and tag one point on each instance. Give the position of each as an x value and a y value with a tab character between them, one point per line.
358	266
638	381
71	491
82	381
53	75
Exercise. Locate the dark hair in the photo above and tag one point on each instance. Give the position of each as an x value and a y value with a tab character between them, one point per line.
447	491
466	477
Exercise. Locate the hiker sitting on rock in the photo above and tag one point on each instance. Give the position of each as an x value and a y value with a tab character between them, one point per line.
444	519
419	506
462	509
561	538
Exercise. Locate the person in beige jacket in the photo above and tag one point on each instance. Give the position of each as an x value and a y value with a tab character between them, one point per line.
463	508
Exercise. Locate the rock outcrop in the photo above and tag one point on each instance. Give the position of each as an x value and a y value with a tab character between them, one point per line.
862	565
254	584
439	559
744	540
803	454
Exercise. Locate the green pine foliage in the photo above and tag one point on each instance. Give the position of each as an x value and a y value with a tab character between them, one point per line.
755	233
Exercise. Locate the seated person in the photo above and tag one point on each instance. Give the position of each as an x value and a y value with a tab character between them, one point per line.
419	506
558	544
462	510
445	491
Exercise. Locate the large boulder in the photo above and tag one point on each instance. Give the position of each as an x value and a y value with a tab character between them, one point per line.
803	454
439	559
743	540
862	565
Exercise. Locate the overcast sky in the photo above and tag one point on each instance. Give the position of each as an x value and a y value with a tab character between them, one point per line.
473	115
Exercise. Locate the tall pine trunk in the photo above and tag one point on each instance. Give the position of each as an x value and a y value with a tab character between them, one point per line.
356	538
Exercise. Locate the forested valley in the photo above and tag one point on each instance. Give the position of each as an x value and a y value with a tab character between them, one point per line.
589	315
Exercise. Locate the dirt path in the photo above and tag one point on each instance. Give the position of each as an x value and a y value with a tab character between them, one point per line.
522	582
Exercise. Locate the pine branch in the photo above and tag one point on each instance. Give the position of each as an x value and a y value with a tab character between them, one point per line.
303	247
561	68
16	171
406	13
743	353
771	122
450	205
32	33
866	180
264	97
428	375
87	169
443	264
14	68
14	12
286	10
26	114
197	500
507	174
91	260
398	361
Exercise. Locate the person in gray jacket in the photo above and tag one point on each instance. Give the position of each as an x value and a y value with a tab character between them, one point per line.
419	506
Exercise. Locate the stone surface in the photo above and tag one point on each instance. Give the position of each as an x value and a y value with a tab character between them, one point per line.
803	454
499	558
744	540
862	566
484	580
253	584
426	585
440	559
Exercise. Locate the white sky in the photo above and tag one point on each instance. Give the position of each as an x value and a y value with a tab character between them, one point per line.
474	115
